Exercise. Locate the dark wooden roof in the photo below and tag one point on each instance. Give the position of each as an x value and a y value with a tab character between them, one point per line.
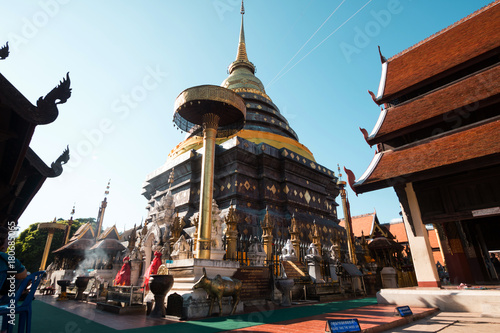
22	172
108	245
468	38
471	147
77	246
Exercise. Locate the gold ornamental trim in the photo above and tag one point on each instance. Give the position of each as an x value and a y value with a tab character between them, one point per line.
209	93
210	121
253	91
274	140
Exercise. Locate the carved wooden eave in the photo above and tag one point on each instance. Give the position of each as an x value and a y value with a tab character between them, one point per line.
22	172
44	113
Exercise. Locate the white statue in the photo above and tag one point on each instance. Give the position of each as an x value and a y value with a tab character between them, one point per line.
218	227
181	249
288	252
312	253
256	253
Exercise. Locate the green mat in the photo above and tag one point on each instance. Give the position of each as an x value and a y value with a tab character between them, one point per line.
49	319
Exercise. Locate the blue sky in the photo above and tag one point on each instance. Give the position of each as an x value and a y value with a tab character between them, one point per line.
128	61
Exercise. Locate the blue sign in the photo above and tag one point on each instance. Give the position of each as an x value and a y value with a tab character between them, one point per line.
343	325
404	311
169	261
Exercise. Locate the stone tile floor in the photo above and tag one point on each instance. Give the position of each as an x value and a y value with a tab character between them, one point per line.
372	318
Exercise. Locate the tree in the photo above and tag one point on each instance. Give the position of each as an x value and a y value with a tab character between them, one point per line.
30	244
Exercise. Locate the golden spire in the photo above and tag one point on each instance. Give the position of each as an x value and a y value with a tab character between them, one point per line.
241	56
242	51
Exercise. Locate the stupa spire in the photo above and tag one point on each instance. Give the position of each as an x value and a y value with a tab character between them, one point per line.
242	51
241	56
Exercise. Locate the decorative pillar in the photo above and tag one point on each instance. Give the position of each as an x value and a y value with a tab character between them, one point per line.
51	227
316	238
210	125
231	233
176	230
423	260
348	222
195	220
267	235
295	236
135	270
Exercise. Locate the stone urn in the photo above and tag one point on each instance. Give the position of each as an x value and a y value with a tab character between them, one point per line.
81	283
284	286
160	285
63	284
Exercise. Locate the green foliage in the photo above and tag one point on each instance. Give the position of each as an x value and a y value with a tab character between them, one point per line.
31	242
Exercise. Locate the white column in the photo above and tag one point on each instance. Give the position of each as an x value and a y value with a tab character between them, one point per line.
421	251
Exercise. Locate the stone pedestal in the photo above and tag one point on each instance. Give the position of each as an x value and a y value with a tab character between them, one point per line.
333	273
159	286
135	271
314	271
389	277
285	286
217	254
187	272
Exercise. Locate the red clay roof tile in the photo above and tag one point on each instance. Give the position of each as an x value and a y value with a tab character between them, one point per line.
464	40
458	95
479	141
361	224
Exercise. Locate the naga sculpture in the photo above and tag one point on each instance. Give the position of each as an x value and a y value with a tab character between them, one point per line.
56	166
219	287
59	95
4	51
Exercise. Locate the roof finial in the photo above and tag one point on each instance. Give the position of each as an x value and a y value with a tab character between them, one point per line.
107	188
242	8
73	210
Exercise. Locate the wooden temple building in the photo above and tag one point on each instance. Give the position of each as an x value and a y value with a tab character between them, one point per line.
22	172
263	166
438	145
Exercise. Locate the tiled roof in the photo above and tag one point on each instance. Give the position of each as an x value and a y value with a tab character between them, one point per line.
362	224
109	233
398	230
433	239
85	231
480	141
108	245
464	40
440	102
77	245
438	257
